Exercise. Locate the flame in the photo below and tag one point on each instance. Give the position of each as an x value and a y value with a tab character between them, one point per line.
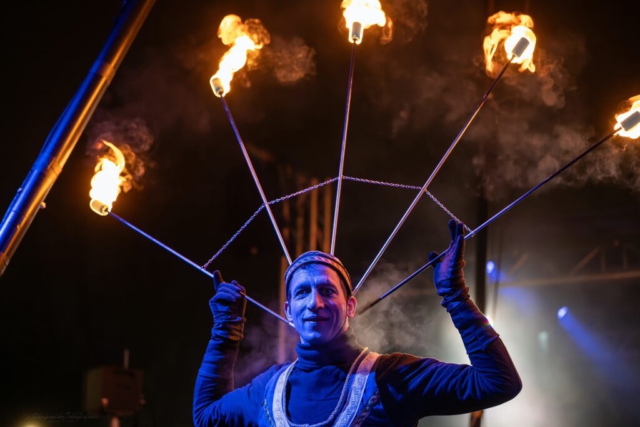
360	15
634	107
243	38
105	184
508	29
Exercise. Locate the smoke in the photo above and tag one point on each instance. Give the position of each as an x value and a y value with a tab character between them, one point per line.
289	61
409	19
392	324
132	137
260	346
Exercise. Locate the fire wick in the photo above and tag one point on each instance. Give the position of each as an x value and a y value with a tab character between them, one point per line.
631	119
193	264
255	179
334	230
518	50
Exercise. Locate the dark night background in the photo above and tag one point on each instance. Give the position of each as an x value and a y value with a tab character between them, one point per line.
81	288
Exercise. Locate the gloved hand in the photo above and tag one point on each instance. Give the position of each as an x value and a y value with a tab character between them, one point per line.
448	275
228	306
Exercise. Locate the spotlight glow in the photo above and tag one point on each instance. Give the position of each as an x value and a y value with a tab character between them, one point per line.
562	312
490	267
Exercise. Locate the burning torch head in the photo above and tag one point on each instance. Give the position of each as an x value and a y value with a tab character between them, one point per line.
242	38
355	33
106	182
520	47
217	87
321	258
99	207
515	32
360	15
629	121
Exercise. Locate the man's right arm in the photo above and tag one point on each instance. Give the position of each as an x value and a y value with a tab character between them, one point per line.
215	402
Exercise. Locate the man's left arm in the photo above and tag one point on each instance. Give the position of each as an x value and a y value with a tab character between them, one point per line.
420	387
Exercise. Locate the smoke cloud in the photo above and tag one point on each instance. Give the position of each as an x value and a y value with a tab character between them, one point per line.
409	18
391	325
289	60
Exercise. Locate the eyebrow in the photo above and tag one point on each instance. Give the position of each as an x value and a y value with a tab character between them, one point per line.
323	283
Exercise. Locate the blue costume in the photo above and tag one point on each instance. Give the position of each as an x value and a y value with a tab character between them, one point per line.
400	389
340	383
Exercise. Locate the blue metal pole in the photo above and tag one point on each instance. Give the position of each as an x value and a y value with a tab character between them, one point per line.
65	134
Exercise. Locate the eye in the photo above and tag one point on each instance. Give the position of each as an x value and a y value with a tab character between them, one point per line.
301	292
327	292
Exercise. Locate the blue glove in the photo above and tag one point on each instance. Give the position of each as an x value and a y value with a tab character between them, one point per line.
448	275
228	306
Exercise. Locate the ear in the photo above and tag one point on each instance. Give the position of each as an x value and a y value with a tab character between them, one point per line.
352	304
287	311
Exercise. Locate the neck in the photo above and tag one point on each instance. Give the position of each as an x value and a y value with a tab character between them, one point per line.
341	350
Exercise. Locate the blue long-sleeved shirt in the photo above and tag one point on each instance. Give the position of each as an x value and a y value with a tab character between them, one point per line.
410	387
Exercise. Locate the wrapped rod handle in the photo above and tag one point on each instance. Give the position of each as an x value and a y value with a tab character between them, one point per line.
99	207
631	121
521	46
355	33
218	88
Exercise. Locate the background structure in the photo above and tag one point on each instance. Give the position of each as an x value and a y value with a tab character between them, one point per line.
81	288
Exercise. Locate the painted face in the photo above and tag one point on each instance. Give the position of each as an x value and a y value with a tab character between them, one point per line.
318	305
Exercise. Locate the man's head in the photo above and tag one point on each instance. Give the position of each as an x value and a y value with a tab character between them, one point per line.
319	300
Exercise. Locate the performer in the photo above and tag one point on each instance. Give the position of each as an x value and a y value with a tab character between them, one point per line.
337	382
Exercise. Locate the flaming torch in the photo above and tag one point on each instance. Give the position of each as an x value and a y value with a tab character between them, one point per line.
243	38
107	181
519	45
628	126
509	29
359	15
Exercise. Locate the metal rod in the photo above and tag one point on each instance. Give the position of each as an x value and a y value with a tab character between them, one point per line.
256	180
433	175
64	135
193	264
492	219
345	128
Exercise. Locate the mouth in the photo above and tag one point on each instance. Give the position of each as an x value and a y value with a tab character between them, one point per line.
315	319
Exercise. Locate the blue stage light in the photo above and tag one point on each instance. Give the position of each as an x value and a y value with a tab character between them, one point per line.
562	312
490	267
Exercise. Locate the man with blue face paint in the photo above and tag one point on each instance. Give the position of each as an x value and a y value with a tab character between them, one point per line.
337	382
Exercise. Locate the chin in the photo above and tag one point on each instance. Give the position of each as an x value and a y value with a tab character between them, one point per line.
315	338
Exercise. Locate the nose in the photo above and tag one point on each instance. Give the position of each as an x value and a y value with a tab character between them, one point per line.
315	301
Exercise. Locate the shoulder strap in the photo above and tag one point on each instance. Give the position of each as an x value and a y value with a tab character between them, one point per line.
357	390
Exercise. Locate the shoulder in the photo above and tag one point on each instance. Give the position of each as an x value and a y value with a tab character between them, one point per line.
269	373
390	365
388	361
